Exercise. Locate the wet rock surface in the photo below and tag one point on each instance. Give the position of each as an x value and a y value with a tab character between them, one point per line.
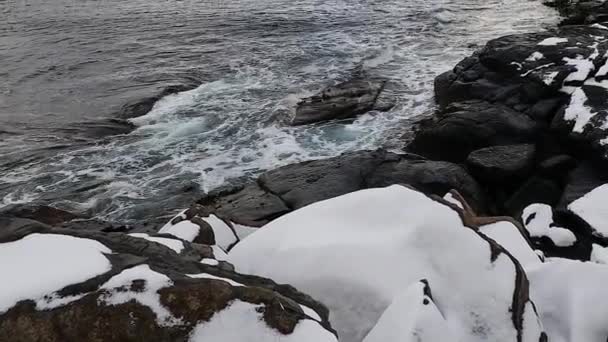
342	101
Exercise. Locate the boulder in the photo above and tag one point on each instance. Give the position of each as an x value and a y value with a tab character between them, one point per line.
498	164
569	297
550	237
294	186
555	77
584	178
581	11
342	101
91	286
469	126
142	106
375	244
38	212
534	190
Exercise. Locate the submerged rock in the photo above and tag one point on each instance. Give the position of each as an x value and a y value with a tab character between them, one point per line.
342	101
142	106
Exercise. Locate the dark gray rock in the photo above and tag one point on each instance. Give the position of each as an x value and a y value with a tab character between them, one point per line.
535	190
38	212
287	188
430	177
554	77
312	181
468	126
498	164
342	101
250	205
581	11
557	167
581	180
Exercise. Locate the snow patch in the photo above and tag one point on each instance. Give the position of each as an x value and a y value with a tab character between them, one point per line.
553	41
538	220
175	245
450	198
184	230
510	238
592	208
40	264
241	321
599	254
119	292
210	276
570	297
577	111
535	56
412	317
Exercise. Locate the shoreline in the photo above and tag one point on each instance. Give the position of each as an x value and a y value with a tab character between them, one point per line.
504	184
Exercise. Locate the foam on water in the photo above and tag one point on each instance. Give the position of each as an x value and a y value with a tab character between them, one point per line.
276	52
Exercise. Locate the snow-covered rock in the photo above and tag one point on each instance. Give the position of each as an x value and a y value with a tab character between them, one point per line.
411	317
592	208
510	237
538	220
571	298
78	285
358	252
197	225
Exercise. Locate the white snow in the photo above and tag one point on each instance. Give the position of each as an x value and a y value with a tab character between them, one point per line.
181	215
211	262
510	238
175	245
583	67
41	264
535	56
310	313
119	292
450	198
210	276
577	111
592	208
240	322
599	254
219	253
550	77
243	231
541	225
224	236
357	252
408	319
603	70
571	298
553	41
184	230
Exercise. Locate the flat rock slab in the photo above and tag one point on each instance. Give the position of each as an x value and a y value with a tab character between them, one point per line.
499	163
342	101
468	126
280	191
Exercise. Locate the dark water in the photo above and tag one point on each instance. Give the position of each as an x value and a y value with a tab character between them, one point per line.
67	67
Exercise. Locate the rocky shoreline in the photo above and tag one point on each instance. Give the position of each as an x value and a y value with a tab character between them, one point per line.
490	226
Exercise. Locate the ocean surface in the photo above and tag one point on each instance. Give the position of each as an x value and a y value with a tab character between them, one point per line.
67	68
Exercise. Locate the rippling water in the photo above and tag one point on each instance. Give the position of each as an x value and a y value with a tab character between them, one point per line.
68	66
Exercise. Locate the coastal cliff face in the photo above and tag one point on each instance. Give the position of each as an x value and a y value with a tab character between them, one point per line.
491	225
